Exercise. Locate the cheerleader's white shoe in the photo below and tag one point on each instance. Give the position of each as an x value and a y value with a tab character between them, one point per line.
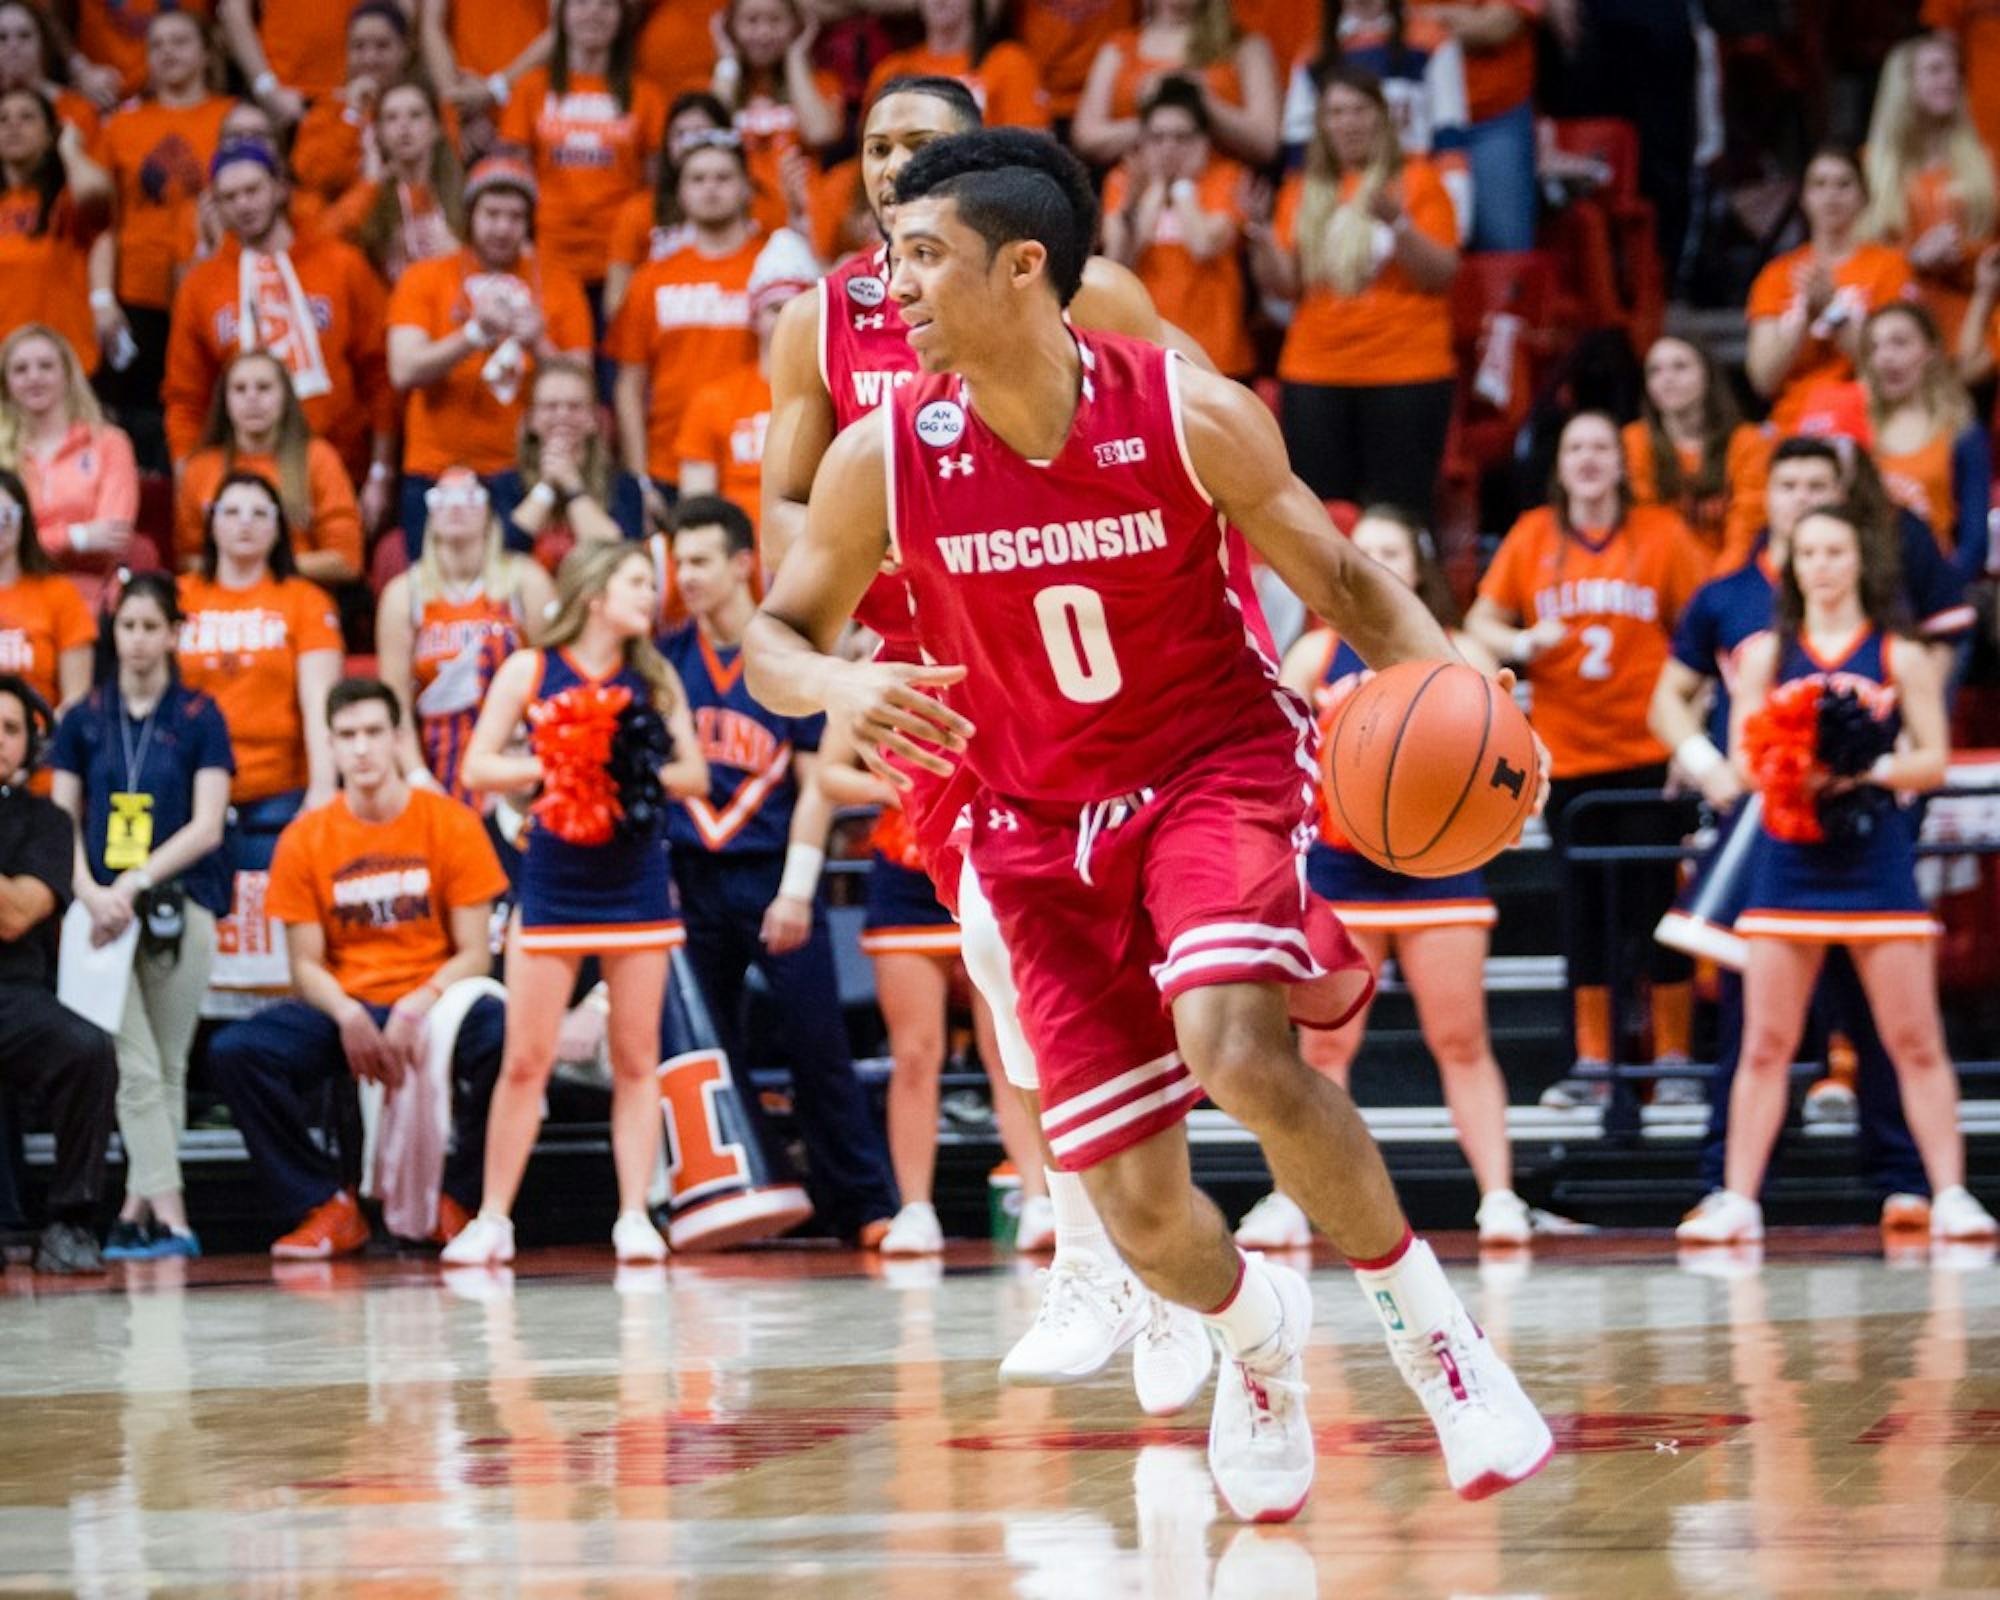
634	1238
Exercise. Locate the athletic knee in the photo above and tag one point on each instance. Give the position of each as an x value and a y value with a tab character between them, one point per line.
1253	1076
1145	1222
1456	1043
917	1058
1914	1044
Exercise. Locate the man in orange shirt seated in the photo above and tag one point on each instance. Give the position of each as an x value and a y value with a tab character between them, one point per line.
386	894
721	438
465	330
314	303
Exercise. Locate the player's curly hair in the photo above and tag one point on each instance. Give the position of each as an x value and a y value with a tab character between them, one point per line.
1009	184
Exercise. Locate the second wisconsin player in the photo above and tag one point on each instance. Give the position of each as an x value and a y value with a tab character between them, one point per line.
1057	500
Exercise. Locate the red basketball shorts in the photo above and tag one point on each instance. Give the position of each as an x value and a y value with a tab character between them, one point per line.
1113	909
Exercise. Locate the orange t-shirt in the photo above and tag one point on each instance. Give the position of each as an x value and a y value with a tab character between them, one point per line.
1919	480
489	36
687	317
1006	84
635	236
46	278
41	616
675	51
459	420
1203	298
1390	332
347	303
326	150
1932	200
838	211
1620	597
589	157
768	128
1976	24
241	647
1064	36
383	892
725	423
1500	79
1727	524
1872	276
1136	71
336	519
1290	27
158	158
305	42
113	33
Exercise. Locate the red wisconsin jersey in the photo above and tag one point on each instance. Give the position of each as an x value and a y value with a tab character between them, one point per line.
1086	596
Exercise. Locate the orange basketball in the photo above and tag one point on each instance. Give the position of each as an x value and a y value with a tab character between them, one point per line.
1430	769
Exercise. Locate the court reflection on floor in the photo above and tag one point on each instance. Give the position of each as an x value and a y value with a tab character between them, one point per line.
822	1425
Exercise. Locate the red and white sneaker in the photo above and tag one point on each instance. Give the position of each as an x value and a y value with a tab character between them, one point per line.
1260	1440
1492	1435
335	1227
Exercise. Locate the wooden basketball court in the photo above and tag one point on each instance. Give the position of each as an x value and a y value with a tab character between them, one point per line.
1819	1421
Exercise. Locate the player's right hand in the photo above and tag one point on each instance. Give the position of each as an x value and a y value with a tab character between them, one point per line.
890	711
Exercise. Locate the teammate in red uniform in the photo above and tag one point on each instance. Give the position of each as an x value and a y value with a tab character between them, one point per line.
835	356
1055	500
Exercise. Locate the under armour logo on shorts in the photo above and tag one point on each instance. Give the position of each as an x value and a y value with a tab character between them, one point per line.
998	819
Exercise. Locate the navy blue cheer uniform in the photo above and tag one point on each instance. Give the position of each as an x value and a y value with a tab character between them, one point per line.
904	915
728	861
1362	894
598	898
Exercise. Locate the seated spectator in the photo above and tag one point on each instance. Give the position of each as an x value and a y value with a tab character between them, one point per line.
565	489
313	302
1364	241
328	149
444	626
55	202
112	37
81	478
265	644
31	57
289	53
414	209
1002	76
1933	454
781	104
1200	40
466	331
721	440
156	151
1931	183
1062	37
1173	212
385	895
1806	307
1582	598
1422	70
593	128
475	51
1498	41
1692	452
648	226
142	765
51	1053
249	123
1970	24
686	315
45	628
256	424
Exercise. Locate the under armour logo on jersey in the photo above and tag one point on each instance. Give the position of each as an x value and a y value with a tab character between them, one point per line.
1121	452
1002	820
961	465
876	321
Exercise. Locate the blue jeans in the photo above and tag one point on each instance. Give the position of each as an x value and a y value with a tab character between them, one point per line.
1501	153
276	1071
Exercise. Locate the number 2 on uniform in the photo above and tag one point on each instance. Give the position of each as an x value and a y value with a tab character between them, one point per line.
1078	641
1596	662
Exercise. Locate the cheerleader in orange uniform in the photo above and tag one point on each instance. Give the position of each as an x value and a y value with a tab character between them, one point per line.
593	878
1814	883
443	628
1438	928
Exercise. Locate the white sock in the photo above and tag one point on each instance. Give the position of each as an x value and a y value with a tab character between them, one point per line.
1253	1316
1411	1294
1079	1232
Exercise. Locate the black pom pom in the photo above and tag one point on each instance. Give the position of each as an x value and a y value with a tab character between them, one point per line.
1851	737
639	749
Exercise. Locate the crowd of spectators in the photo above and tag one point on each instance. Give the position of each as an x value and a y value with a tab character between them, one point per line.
356	322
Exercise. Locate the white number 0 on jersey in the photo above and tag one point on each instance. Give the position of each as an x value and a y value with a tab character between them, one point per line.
1078	642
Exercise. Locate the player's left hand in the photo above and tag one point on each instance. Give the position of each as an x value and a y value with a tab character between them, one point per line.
788	924
886	706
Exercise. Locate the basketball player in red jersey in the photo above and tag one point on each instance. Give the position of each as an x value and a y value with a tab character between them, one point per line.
835	356
1055	500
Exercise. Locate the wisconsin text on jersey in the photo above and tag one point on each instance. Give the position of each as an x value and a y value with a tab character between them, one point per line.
1054	544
